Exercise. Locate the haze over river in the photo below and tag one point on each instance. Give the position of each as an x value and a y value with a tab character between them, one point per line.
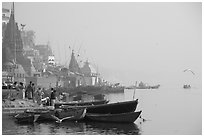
167	111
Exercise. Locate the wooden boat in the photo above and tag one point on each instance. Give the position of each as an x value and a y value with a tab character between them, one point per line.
112	108
31	115
69	114
143	87
27	117
186	86
119	118
112	89
155	87
60	115
148	87
97	102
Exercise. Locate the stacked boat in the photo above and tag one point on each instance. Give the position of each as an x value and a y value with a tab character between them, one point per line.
121	112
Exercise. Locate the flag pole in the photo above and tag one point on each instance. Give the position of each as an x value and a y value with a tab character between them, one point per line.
134	90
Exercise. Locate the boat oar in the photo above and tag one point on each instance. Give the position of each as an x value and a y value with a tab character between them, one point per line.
60	120
16	115
83	114
36	117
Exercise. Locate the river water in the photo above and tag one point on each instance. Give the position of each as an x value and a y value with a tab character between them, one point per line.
166	111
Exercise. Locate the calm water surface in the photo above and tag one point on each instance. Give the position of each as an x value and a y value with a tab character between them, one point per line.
166	112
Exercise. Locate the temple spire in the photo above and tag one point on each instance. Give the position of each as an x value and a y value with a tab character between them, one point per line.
12	10
14	31
73	65
9	39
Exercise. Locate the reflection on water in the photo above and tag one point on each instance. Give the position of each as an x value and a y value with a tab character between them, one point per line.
113	128
166	111
70	127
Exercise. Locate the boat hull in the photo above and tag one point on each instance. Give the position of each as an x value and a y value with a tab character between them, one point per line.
74	113
118	118
98	102
27	117
112	108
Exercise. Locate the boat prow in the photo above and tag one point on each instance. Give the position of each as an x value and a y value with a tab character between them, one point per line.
118	118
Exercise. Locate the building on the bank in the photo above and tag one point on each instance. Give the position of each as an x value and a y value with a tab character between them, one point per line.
28	38
36	60
12	46
5	19
8	72
19	74
44	51
51	60
44	82
74	72
7	77
5	15
73	65
85	76
90	74
15	71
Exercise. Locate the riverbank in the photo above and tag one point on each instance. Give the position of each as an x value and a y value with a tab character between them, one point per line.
18	103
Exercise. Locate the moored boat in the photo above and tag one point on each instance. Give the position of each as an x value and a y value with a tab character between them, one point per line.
27	117
60	115
112	108
96	102
69	114
129	117
113	89
31	115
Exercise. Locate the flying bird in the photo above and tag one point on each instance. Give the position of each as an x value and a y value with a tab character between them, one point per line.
189	70
22	26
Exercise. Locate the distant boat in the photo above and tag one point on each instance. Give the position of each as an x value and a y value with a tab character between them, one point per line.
144	87
129	117
113	89
186	86
112	108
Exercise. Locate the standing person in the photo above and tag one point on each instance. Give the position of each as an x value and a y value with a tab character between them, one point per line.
33	91
61	96
22	89
53	97
42	93
38	96
29	90
33	87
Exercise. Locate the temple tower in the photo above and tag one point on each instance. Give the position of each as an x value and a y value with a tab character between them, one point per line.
12	45
73	65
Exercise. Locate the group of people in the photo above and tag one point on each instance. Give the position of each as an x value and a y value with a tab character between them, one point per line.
12	85
37	94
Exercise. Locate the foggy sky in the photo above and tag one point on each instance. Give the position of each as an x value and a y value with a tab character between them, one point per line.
153	42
